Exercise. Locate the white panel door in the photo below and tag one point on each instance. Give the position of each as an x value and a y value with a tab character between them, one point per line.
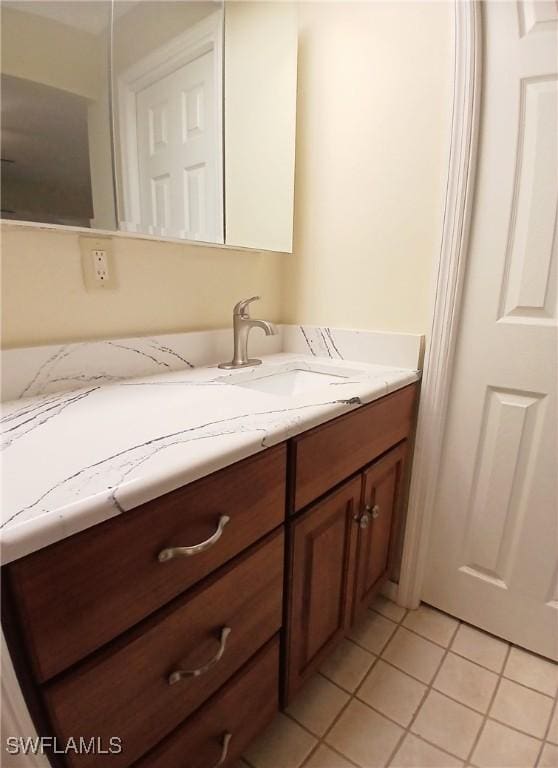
178	152
493	558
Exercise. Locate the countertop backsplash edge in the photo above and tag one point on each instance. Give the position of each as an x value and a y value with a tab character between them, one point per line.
42	370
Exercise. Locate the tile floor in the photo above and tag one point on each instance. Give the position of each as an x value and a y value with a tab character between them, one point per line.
418	689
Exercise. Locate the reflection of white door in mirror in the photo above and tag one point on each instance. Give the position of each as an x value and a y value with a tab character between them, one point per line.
177	153
170	132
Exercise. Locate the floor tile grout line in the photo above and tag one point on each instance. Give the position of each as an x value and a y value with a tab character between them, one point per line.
322	739
455	653
428	688
352	694
510	646
337	685
490	705
364	648
378	656
421	704
547	730
328	746
484	669
528	687
400	725
430	640
514	728
337	752
478	664
430	744
502	675
375	610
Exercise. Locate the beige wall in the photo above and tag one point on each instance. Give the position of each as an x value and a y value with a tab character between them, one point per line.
45	51
54	54
372	131
149	25
162	287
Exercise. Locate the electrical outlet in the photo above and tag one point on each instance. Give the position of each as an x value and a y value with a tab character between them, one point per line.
97	263
100	265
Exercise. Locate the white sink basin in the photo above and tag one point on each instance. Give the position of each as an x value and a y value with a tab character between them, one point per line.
293	382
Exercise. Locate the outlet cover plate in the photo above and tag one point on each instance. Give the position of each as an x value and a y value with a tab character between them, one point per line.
87	245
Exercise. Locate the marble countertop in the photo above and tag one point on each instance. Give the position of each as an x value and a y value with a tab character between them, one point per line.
74	459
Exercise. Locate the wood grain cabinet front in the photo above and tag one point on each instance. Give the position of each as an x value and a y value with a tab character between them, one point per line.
80	593
220	731
160	626
377	526
338	560
320	557
147	682
328	454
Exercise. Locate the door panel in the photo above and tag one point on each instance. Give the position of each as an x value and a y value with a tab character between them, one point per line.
321	554
382	494
493	558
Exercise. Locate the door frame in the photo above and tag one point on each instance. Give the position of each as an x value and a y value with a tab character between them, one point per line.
449	275
205	36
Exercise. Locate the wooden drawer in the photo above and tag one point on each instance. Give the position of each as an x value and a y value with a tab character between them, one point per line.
104	580
242	708
124	690
328	454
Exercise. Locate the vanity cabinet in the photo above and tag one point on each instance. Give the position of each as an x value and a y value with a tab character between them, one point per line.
319	561
165	668
332	452
338	559
179	625
105	579
378	526
225	725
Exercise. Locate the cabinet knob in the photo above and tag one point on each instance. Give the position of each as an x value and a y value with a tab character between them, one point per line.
364	520
375	511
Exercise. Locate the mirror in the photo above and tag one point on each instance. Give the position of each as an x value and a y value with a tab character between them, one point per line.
168	87
261	40
56	137
174	110
198	140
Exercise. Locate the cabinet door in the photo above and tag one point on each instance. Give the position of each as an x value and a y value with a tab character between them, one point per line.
321	553
377	525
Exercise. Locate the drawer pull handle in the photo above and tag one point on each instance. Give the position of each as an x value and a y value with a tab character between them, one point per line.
225	749
178	674
168	554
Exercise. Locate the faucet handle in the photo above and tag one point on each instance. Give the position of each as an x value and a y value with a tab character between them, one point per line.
241	307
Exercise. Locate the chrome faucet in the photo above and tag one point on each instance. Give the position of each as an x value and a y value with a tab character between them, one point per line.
242	323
